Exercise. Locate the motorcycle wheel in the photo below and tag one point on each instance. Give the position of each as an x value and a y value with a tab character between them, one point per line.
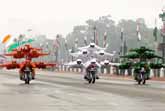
27	79
139	82
90	80
144	81
94	78
27	82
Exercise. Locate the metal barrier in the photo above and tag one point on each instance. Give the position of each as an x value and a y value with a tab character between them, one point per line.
112	71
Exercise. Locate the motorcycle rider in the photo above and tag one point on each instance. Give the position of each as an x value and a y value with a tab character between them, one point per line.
89	67
142	72
27	64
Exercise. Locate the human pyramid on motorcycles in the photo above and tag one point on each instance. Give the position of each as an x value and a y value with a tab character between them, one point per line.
27	67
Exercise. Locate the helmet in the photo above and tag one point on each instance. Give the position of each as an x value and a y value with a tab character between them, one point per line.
79	61
93	61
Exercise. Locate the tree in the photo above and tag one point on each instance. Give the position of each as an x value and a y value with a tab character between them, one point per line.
142	56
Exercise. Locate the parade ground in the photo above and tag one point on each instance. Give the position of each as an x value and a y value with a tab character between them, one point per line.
53	91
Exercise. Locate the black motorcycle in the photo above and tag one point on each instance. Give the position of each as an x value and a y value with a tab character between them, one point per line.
27	76
141	78
91	76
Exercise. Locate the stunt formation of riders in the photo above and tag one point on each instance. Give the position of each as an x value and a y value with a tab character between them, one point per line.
27	67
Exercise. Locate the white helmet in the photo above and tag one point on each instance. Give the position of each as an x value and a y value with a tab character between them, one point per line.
93	61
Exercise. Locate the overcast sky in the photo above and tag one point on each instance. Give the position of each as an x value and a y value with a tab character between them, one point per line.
51	17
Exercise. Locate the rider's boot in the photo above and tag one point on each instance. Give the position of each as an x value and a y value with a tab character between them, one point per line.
33	76
21	76
97	77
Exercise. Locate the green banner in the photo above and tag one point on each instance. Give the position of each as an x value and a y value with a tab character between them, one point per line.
17	44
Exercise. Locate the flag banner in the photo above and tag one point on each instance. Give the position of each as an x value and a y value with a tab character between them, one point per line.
121	37
17	44
155	33
125	47
6	38
105	39
97	41
121	50
138	33
76	42
85	41
66	44
56	43
163	31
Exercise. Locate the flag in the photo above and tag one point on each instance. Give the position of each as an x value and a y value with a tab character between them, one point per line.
105	39
17	44
76	42
66	45
155	31
6	38
121	50
85	41
163	30
125	48
97	42
122	30
94	37
138	33
56	43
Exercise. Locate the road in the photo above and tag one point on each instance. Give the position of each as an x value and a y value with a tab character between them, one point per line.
69	92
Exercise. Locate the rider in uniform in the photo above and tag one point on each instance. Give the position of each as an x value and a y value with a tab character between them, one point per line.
89	67
27	64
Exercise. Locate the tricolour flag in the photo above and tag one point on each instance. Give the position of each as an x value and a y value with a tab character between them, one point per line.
17	44
6	38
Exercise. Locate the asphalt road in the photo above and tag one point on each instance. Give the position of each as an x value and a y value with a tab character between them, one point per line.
69	92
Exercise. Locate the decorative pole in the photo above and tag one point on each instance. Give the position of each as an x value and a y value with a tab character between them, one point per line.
94	34
162	45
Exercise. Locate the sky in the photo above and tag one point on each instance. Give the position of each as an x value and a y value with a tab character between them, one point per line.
53	17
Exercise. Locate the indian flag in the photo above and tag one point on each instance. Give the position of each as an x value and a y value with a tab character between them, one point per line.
6	38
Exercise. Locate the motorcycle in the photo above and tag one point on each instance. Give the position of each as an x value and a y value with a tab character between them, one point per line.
91	76
141	78
27	76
